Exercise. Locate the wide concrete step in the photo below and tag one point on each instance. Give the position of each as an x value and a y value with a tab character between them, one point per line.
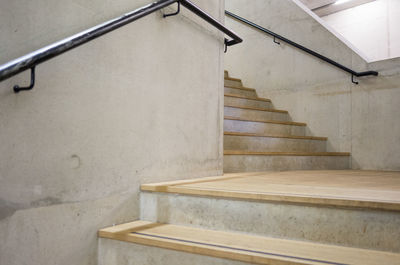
247	161
221	245
235	82
240	100
263	126
347	207
255	113
273	143
243	91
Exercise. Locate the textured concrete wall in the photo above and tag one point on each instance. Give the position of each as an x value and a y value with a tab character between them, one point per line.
360	119
371	27
141	104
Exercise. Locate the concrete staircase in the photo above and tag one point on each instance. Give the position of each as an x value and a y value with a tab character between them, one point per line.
314	217
259	137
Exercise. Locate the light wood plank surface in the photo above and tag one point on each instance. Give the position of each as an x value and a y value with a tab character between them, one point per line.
344	188
243	152
246	97
276	136
266	121
233	79
255	108
242	88
243	247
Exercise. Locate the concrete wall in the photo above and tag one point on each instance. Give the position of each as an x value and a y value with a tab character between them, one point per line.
372	28
362	119
141	104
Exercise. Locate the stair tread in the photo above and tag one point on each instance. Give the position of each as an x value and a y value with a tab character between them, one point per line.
343	188
243	152
255	108
242	88
266	121
246	97
243	247
276	136
233	79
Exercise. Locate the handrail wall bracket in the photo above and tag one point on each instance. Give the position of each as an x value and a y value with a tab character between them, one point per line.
175	13
307	50
17	88
31	60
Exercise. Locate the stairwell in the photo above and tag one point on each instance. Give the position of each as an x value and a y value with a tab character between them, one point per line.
283	200
258	137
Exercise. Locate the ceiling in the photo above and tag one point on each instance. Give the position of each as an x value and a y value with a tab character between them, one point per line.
327	7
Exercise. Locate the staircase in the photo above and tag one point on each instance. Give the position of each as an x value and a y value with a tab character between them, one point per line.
317	216
258	137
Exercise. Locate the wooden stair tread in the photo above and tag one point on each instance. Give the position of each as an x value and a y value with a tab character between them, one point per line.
233	79
242	88
242	152
276	136
266	121
255	108
243	247
341	188
246	97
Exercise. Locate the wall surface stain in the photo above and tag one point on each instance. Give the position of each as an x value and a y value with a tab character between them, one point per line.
8	208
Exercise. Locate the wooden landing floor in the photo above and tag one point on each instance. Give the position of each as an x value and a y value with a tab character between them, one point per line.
345	188
242	247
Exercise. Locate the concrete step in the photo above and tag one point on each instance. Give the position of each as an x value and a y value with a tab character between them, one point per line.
235	82
263	126
246	161
221	245
255	113
347	207
273	143
243	91
239	100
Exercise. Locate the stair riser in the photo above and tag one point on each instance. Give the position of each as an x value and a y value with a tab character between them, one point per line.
270	144
113	252
263	128
247	93
251	163
228	82
350	227
248	103
255	114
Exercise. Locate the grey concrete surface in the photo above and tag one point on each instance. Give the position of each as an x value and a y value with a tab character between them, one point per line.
250	163
233	83
362	119
114	252
352	227
134	106
272	144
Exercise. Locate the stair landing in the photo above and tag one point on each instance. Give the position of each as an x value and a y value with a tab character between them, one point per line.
343	188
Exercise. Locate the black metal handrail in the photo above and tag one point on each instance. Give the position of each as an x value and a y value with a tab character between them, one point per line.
31	60
320	56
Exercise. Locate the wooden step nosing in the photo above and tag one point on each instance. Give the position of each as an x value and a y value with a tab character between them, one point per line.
337	201
314	138
248	248
233	79
255	108
246	97
254	153
242	88
290	123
